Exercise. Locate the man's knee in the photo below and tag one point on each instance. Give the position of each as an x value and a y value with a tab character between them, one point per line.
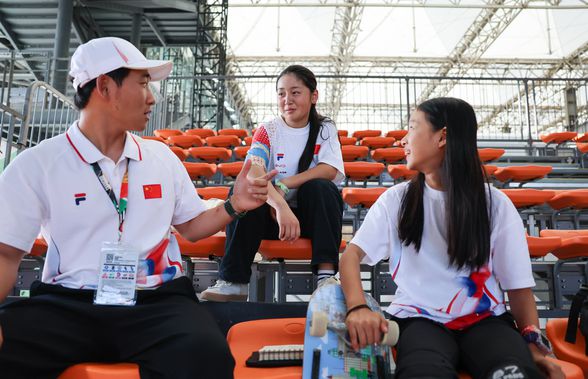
425	364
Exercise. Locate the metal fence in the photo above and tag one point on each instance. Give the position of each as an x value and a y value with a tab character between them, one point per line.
10	121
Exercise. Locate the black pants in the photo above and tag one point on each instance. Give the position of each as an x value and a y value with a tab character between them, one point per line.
168	334
320	213
427	349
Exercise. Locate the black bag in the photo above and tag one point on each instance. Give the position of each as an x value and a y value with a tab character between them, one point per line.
579	309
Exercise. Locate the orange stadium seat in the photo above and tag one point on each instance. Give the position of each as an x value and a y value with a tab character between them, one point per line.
577	199
377	142
364	197
209	247
347	140
582	147
248	141
541	246
388	155
210	154
397	134
39	248
342	133
164	133
184	141
352	152
521	174
200	170
154	138
220	192
179	152
487	155
363	170
489	169
574	243
230	170
401	172
202	133
523	198
558	137
241	151
241	133
223	141
101	371
570	352
246	337
360	134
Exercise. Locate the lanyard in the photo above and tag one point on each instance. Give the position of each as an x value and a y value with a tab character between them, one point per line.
119	206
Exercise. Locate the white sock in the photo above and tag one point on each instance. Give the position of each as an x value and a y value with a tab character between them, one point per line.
324	274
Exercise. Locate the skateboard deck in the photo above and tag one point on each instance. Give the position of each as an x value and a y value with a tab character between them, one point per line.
326	352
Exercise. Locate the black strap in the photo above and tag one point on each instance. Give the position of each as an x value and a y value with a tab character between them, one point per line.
577	303
110	192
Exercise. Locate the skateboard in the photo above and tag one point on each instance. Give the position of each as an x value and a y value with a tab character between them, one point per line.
327	351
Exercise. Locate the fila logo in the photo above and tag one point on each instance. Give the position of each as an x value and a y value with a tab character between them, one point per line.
79	197
280	156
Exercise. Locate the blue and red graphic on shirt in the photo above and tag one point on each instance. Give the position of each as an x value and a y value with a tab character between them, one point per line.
158	267
280	156
79	197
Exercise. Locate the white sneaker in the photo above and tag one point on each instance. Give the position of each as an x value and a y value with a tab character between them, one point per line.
226	291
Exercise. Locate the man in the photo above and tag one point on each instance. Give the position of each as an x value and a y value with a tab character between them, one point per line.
104	201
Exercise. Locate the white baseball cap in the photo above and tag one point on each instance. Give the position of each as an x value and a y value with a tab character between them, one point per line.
102	55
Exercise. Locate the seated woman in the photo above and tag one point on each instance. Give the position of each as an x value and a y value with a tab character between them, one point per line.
454	243
304	200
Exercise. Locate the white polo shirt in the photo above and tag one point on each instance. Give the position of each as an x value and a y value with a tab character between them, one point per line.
53	188
428	286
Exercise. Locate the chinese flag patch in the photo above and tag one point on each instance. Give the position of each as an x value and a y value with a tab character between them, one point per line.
152	191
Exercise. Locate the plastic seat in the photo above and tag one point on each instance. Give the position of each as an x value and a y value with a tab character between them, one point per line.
165	133
541	246
342	133
200	170
39	248
248	141
388	155
202	133
582	146
184	141
582	137
360	134
348	141
577	199
301	249
522	198
102	371
209	247
241	151
574	243
230	169
179	152
487	155
397	134
571	352
401	172
241	133
558	137
246	337
521	173
220	192
211	154
223	141
364	197
352	152
489	169
363	170
154	138
377	142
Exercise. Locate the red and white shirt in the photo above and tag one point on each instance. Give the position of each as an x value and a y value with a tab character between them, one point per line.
277	145
53	188
427	285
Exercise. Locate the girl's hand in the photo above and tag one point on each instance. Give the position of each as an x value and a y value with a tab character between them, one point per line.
365	327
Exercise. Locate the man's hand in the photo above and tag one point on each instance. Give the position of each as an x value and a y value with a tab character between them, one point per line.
548	366
250	193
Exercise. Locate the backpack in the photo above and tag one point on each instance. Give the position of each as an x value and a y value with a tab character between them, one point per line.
579	309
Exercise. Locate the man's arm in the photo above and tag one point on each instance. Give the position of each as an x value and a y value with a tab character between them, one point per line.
10	258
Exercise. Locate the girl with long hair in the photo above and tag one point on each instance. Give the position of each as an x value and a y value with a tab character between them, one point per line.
454	243
304	199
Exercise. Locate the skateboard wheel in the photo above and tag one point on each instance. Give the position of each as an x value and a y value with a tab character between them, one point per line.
318	324
391	338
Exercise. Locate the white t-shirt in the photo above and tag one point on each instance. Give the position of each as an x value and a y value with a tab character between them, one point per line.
277	145
53	188
427	285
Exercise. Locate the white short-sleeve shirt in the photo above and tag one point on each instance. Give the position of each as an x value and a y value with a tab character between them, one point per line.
427	285
53	188
277	145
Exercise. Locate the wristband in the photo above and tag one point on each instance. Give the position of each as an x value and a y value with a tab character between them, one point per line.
282	186
231	211
532	334
360	306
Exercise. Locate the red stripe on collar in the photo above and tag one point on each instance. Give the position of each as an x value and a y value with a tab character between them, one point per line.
75	148
138	147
